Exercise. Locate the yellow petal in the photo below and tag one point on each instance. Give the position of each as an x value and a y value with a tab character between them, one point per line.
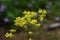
30	33
30	38
7	34
40	11
38	25
11	35
12	30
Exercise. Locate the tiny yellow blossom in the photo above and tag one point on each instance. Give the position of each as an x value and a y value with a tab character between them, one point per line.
33	21
28	19
40	11
37	25
44	11
30	33
18	18
21	25
20	22
30	38
9	35
33	14
41	18
24	12
12	30
16	24
28	12
44	15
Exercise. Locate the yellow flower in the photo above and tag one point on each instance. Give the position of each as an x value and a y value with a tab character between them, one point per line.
18	18
30	33
37	25
17	24
26	12
29	14
40	11
30	38
9	35
33	21
44	15
20	21
20	24
33	14
12	30
28	19
41	18
44	11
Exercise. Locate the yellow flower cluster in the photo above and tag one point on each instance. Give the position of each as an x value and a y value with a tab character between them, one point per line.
30	17
38	25
29	14
43	13
20	21
10	35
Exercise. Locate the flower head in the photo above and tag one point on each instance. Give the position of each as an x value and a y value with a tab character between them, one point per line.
37	25
30	38
43	11
9	35
30	33
33	14
33	21
12	30
20	21
40	11
41	18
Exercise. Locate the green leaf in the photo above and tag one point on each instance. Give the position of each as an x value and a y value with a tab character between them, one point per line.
10	15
